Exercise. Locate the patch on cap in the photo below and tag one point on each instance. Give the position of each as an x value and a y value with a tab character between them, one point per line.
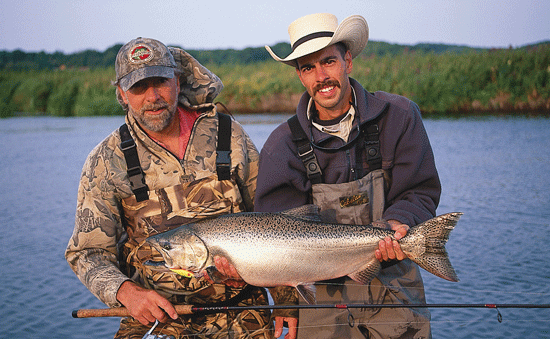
141	53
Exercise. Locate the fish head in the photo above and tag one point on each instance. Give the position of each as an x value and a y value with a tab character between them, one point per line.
182	251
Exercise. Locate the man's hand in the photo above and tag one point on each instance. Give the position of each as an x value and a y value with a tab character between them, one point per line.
145	305
292	327
229	271
389	249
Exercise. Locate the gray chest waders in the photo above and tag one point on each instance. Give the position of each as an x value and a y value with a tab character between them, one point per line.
357	202
360	201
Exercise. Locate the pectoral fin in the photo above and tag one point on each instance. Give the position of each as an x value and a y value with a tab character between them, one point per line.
215	275
367	272
307	292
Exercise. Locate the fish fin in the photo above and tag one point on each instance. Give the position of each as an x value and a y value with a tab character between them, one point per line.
308	212
367	272
157	264
215	275
425	245
307	292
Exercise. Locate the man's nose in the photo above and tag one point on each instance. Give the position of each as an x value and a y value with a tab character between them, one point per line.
321	74
152	93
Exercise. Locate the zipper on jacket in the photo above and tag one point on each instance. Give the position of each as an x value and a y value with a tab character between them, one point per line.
353	173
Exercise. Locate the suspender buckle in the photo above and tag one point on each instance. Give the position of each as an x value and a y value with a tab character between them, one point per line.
134	171
310	162
126	145
223	165
223	158
137	180
305	151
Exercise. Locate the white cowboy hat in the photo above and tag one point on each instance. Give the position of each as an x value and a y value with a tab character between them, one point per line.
314	32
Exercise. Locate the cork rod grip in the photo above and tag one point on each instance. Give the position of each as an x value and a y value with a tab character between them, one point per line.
121	312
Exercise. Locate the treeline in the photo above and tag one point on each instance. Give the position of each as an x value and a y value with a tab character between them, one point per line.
470	82
442	79
19	60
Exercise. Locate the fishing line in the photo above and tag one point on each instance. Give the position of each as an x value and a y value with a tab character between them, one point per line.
469	291
190	309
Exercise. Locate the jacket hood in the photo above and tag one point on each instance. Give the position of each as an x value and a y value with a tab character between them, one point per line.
198	85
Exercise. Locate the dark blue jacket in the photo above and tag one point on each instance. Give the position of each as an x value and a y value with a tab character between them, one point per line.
406	154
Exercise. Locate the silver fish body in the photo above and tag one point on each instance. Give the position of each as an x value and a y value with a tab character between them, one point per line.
296	248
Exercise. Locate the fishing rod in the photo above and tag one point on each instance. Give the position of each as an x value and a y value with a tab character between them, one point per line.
191	309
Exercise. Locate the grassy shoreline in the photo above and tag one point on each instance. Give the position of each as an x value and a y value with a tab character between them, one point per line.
490	82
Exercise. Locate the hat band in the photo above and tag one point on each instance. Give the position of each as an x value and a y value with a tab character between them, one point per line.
311	37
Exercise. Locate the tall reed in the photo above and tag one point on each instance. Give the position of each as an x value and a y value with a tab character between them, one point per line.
515	80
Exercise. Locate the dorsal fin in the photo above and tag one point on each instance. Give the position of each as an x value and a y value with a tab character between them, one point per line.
307	292
309	212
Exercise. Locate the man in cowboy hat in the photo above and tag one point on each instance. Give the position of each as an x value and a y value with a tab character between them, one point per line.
362	157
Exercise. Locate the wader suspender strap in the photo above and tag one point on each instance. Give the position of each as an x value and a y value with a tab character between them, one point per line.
135	173
305	151
223	150
371	133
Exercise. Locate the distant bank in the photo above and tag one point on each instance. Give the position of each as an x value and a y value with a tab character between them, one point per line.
443	80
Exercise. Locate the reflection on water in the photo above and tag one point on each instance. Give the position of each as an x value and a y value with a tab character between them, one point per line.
493	170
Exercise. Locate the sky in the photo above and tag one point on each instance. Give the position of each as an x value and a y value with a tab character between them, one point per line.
73	25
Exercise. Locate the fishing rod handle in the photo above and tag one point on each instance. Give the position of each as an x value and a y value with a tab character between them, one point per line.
121	312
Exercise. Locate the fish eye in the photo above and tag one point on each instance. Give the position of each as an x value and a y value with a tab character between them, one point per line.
166	246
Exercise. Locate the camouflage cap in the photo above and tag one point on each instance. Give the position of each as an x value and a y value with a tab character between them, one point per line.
143	58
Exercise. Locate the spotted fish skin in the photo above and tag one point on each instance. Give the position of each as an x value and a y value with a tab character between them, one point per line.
296	248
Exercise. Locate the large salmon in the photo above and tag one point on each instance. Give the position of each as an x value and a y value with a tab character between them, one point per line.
296	248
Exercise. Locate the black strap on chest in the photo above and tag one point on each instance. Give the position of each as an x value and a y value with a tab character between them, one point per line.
135	172
370	134
137	176
305	151
223	149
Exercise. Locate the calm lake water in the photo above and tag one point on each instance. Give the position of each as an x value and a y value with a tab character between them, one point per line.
495	170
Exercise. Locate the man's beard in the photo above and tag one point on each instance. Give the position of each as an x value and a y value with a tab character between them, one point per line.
155	123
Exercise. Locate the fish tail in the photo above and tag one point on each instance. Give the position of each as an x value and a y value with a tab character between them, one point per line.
425	245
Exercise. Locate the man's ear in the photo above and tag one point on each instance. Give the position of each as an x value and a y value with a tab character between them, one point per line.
120	94
178	78
299	75
349	63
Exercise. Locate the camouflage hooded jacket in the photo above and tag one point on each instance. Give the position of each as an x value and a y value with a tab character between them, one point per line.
92	249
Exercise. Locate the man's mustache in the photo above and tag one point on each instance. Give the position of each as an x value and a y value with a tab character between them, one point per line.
161	104
324	84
